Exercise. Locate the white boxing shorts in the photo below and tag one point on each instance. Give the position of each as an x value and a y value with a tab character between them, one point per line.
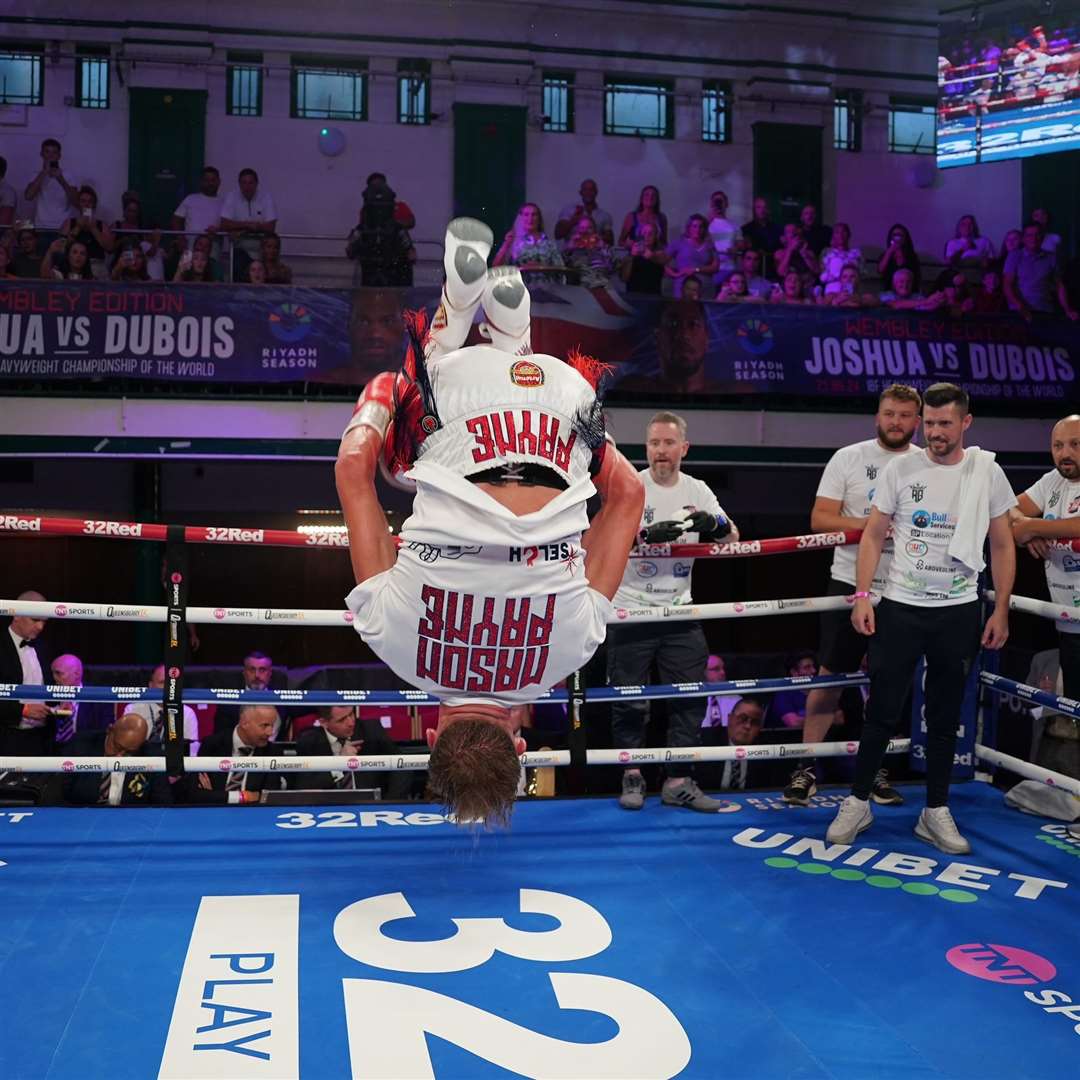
487	623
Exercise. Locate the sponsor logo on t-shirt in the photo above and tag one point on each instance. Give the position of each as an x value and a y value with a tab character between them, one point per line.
920	519
1070	564
918	491
645	569
871	472
681	569
1054	498
916	548
526	373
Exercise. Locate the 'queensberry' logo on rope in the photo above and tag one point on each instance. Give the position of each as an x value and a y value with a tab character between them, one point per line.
290	323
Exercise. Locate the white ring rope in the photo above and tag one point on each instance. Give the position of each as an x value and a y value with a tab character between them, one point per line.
1026	769
73	609
406	762
1045	608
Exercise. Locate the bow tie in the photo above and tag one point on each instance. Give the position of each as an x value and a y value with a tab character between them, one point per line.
26	643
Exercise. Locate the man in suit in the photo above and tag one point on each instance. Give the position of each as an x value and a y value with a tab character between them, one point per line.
341	733
25	728
123	737
71	718
255	674
251	737
745	722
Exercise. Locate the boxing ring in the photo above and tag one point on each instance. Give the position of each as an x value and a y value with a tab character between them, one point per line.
385	941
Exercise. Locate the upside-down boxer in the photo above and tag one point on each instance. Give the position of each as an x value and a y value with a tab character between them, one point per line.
497	591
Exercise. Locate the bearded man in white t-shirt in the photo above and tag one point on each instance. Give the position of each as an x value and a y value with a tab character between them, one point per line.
681	508
843	503
1050	510
941	505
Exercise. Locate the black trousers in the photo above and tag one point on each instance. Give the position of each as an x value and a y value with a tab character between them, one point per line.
679	653
949	639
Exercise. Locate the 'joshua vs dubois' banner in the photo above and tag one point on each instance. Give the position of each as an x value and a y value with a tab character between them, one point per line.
267	334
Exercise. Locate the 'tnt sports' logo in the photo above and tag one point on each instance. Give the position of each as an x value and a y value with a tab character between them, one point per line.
1008	965
1001	964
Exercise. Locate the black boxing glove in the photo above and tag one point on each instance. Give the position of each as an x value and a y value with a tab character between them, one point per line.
708	526
661	532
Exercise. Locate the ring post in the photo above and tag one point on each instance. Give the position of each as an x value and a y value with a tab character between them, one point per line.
176	569
575	689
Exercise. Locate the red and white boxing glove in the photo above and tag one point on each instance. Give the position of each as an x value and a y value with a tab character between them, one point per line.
392	405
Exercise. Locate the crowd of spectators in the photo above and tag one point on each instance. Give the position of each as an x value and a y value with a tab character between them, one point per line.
801	262
78	729
707	257
62	237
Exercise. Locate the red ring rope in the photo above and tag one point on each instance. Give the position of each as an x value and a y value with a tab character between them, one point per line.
216	534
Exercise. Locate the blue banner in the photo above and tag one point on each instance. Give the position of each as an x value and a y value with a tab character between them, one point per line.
269	334
172	333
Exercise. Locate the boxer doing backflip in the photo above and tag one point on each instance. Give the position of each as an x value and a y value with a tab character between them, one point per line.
497	591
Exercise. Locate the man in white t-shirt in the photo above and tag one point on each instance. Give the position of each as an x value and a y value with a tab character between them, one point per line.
843	503
942	504
677	508
200	212
1049	511
248	214
52	194
153	712
572	213
725	236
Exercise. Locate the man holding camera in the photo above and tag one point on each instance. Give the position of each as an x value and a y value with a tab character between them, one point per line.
678	508
50	191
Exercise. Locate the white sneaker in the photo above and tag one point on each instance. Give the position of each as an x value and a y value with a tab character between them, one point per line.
851	819
468	244
507	308
936	826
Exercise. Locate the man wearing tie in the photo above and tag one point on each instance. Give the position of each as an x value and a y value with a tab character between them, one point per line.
71	718
341	734
717	709
250	737
153	713
743	729
127	736
24	726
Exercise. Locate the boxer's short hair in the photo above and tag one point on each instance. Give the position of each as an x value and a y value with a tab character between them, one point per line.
475	771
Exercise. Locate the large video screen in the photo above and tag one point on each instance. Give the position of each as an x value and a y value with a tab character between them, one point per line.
1009	83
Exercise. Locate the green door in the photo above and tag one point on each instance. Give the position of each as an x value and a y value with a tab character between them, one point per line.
166	143
787	168
489	163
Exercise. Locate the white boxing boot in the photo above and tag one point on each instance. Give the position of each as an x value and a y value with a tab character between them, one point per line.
507	311
468	244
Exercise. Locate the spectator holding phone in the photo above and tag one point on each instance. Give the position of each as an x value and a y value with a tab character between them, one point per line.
128	230
194	266
67	260
50	191
131	265
88	229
